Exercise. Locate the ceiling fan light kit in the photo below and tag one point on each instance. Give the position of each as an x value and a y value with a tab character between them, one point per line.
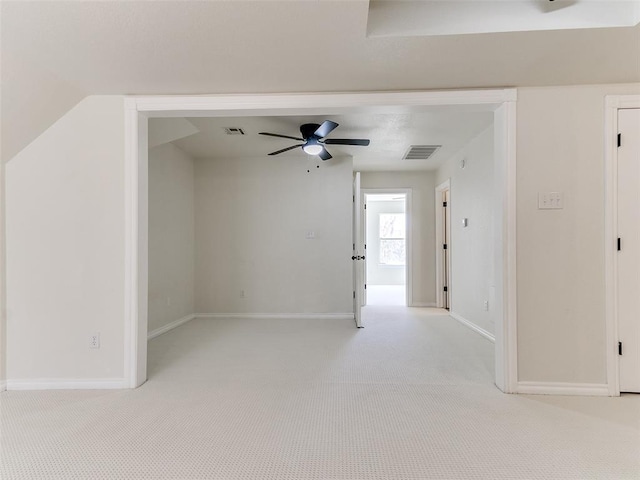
313	136
312	147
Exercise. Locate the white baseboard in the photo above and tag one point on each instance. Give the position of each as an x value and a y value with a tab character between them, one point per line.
561	388
473	326
312	316
67	384
423	305
169	326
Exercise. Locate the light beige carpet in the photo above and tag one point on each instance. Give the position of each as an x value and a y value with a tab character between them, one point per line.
410	396
387	295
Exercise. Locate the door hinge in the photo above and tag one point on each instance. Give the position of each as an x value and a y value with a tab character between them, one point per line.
446	289
354	199
444	204
444	246
619	139
354	247
619	244
365	206
365	286
354	294
619	348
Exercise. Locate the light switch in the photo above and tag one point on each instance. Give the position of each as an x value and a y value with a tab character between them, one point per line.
550	201
310	235
465	222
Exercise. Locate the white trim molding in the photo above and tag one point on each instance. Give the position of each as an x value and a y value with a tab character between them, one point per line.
506	335
562	388
169	326
136	243
423	305
613	103
502	102
290	104
308	316
467	323
67	384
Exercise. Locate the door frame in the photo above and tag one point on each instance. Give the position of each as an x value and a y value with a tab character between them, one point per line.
443	187
613	103
138	109
408	211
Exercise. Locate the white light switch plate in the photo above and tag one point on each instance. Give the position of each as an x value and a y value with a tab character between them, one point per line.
550	201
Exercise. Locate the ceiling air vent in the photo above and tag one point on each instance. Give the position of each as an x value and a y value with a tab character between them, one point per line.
421	152
233	131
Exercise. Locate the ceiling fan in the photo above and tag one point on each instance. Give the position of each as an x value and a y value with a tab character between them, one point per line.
314	141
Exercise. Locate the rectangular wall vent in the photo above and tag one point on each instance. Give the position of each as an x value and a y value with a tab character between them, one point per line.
233	131
421	152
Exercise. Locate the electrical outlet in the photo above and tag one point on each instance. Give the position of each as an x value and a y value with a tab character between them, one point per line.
486	305
241	293
94	340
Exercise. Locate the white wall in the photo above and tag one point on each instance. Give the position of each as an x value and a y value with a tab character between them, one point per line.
472	196
378	274
171	235
423	233
65	238
252	217
65	247
561	294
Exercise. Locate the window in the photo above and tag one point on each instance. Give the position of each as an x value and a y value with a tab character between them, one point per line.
392	241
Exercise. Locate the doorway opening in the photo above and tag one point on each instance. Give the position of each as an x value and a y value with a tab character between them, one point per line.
386	244
501	102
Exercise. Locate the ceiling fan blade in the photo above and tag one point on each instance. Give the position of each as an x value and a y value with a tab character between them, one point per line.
347	141
325	129
324	155
286	149
281	136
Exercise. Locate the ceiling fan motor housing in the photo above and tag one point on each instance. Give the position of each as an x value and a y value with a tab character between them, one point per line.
308	129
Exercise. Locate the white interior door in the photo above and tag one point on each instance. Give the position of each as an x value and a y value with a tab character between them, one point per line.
629	249
358	252
363	224
443	240
446	249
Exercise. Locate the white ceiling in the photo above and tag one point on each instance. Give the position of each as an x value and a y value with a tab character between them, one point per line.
391	136
391	17
54	53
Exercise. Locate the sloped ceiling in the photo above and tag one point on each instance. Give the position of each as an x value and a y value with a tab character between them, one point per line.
175	47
